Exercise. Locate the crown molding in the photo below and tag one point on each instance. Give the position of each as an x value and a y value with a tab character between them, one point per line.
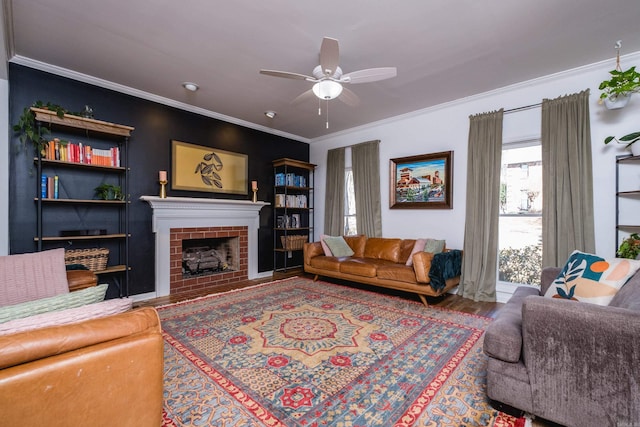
95	81
596	66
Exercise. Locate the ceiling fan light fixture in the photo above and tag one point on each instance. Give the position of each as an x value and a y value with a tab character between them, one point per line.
190	86
327	89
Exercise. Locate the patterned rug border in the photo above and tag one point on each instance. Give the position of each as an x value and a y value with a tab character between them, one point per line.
372	292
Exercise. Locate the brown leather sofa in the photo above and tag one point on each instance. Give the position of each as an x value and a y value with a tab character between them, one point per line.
380	262
100	372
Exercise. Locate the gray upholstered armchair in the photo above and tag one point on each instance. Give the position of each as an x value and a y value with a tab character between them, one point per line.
570	362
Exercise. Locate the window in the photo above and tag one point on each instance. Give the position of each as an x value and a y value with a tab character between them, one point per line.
350	228
520	230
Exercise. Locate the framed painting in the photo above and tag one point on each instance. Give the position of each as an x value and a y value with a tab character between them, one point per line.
421	182
200	168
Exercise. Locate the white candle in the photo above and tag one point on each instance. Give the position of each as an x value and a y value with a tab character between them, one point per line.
254	185
162	176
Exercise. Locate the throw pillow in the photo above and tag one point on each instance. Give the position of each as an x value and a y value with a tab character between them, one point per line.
325	248
417	247
590	278
338	246
59	302
28	277
434	246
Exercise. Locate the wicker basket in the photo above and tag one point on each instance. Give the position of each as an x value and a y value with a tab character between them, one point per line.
94	259
293	243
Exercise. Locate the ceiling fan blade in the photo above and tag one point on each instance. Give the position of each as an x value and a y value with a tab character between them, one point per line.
287	75
304	96
329	56
369	75
349	98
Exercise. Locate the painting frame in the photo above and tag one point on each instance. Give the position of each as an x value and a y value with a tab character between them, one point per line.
409	192
208	169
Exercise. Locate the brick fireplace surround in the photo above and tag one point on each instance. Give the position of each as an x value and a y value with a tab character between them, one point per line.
176	217
176	235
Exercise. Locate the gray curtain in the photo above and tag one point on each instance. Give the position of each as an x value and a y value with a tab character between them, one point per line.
365	163
334	193
480	260
567	184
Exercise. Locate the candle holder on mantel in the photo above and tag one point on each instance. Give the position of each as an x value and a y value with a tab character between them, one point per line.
163	189
255	195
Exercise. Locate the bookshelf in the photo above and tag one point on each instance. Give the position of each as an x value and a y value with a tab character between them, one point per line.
293	217
82	154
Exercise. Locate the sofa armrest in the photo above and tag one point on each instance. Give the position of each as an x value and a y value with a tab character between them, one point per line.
582	361
81	279
547	277
311	250
422	266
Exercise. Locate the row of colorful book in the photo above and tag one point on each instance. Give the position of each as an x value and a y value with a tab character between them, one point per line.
79	153
49	187
290	180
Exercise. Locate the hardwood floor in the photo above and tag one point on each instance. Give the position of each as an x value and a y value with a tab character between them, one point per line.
452	302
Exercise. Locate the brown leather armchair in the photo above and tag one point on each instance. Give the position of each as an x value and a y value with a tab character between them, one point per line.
101	372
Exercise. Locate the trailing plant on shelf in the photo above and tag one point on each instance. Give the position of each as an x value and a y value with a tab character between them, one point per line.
109	192
630	247
28	130
628	140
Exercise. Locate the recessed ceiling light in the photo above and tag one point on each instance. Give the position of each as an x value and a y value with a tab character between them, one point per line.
190	86
270	114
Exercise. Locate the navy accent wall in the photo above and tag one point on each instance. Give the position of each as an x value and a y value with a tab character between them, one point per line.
149	151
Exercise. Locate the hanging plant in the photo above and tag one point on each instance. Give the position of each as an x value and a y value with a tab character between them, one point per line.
28	130
621	84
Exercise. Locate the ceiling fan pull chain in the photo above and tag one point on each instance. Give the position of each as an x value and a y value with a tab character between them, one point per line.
319	107
327	114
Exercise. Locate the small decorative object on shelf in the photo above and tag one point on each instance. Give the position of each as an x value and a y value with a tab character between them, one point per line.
630	247
108	192
162	178
254	188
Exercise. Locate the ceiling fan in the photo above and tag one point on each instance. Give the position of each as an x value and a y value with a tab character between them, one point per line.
328	78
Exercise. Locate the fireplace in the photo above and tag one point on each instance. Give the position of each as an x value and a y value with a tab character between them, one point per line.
176	219
203	257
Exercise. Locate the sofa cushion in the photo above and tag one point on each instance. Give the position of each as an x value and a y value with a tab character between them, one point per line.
70	315
434	246
328	263
382	248
418	246
629	296
59	302
338	246
359	267
27	277
590	278
503	337
397	272
357	243
325	247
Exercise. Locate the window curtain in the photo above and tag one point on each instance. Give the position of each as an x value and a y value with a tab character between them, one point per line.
567	185
365	163
480	260
334	193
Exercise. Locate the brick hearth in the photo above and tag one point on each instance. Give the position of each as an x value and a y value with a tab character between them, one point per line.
204	283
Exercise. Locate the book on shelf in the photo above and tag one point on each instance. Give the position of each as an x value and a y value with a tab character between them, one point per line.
43	187
78	153
55	186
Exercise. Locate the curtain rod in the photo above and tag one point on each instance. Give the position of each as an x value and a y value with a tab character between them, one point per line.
526	107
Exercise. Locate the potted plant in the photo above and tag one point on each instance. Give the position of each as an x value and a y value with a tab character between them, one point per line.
618	89
630	247
29	131
109	192
629	140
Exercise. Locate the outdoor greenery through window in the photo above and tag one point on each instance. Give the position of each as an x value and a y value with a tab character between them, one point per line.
350	228
520	232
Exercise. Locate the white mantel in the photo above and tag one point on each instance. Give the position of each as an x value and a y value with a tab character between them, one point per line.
186	212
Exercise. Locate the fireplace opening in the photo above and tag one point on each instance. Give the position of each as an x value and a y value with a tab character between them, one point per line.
203	257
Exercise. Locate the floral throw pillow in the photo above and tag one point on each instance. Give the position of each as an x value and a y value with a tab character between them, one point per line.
590	278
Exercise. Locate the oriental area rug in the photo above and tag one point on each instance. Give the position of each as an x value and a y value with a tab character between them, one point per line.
295	353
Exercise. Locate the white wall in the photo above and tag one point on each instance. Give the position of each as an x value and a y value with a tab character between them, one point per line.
445	127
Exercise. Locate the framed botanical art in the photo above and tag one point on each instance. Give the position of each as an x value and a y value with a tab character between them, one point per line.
200	168
421	182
